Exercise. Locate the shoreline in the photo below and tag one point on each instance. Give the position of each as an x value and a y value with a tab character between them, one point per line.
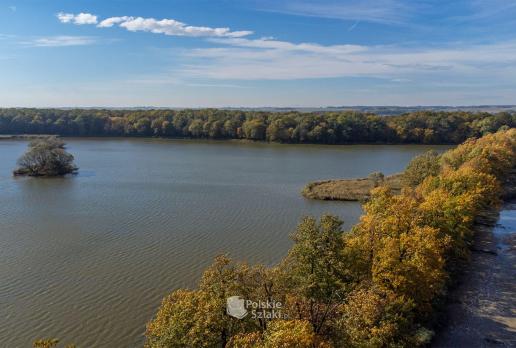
479	310
235	140
24	136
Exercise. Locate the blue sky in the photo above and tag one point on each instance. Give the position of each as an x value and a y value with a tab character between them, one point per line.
200	53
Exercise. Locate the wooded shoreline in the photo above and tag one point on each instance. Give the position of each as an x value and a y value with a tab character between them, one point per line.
479	306
344	127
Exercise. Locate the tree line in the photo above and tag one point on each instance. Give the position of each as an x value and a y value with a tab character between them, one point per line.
376	285
348	127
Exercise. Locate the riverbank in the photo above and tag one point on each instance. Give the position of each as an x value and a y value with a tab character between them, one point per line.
480	310
25	136
349	189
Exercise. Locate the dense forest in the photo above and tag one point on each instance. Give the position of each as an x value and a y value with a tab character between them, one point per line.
377	285
347	127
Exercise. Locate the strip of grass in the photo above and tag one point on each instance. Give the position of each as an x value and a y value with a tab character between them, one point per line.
349	189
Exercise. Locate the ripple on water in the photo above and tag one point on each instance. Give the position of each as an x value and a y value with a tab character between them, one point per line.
88	258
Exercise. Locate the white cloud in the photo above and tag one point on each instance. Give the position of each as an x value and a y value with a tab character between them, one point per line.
79	19
60	41
170	27
65	17
108	23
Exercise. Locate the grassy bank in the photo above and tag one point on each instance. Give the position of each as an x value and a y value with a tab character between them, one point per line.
23	136
349	189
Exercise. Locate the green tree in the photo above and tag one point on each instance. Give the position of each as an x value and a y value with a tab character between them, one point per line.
421	167
46	157
315	271
254	129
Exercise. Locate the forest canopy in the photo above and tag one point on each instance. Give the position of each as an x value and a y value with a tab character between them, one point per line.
347	127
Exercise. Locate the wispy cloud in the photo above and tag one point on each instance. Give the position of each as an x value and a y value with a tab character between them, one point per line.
12	8
416	13
485	9
78	19
170	27
6	36
378	11
263	59
60	41
268	43
217	85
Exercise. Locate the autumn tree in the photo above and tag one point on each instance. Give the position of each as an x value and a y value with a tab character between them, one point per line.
281	334
198	317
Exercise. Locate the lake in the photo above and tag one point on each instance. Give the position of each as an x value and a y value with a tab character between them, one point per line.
88	258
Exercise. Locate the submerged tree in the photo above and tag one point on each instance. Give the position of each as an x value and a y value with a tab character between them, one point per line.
49	343
46	157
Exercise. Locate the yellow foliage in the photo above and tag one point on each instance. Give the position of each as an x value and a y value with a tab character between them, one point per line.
45	343
290	334
246	340
49	343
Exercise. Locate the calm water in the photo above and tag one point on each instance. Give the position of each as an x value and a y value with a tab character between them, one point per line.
89	258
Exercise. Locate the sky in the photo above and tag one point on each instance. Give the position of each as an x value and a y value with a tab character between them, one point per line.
250	53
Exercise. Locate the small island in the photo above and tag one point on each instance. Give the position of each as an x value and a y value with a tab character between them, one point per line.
422	166
46	157
350	189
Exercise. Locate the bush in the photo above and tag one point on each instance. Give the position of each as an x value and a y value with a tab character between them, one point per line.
46	157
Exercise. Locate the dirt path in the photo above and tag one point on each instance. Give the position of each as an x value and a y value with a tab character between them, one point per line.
482	309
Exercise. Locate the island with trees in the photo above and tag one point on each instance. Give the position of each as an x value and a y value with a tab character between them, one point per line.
46	157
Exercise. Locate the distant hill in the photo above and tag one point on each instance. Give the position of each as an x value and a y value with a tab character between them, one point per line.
391	110
378	110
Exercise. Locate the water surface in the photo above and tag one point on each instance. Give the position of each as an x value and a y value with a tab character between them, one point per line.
88	258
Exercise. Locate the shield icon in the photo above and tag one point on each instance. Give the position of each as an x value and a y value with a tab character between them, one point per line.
235	307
